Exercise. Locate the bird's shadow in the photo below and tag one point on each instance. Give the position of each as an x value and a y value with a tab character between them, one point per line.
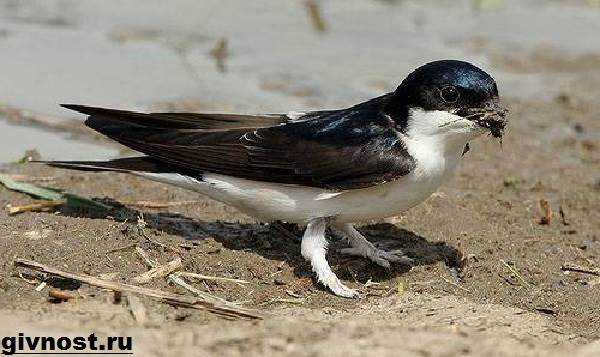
281	241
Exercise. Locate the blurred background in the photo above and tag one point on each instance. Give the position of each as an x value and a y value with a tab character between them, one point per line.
265	56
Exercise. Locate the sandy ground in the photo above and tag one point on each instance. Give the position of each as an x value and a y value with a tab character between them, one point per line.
488	278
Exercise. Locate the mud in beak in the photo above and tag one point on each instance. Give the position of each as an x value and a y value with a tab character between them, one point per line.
492	117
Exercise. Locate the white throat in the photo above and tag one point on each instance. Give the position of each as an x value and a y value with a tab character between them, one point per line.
437	139
449	131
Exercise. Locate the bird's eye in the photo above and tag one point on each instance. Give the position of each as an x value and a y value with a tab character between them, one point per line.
449	94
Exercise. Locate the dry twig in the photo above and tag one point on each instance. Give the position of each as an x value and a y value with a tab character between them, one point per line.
580	269
34	207
178	280
515	272
314	13
213	278
173	299
158	271
297	301
60	295
563	217
546	212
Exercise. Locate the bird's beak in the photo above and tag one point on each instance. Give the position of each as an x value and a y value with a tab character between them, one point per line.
491	116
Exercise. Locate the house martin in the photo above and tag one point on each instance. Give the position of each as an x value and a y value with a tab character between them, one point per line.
327	168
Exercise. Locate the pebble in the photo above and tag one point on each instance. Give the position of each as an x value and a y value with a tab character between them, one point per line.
279	281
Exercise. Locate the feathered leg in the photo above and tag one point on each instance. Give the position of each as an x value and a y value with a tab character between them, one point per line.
314	247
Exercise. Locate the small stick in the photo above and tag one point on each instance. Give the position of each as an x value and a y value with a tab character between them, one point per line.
515	272
137	308
34	207
177	280
60	295
314	13
173	278
546	211
150	263
580	269
214	278
173	299
159	271
297	301
563	217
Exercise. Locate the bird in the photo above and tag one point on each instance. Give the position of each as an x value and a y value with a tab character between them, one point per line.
320	169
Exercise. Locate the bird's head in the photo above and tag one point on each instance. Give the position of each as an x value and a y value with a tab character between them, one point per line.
448	98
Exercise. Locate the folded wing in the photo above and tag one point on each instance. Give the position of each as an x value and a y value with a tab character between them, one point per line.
342	149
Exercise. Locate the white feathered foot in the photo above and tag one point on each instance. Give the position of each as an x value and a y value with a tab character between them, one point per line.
314	248
360	246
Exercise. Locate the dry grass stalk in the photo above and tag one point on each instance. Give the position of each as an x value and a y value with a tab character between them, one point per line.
314	13
211	278
60	295
34	207
297	301
546	212
173	299
158	271
515	272
173	278
563	216
580	269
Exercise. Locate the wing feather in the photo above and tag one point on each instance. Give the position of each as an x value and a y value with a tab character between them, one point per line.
335	149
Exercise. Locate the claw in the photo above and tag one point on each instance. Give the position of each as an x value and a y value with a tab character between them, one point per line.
361	247
378	256
338	288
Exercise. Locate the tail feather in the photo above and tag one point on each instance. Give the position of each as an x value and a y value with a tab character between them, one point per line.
127	165
178	120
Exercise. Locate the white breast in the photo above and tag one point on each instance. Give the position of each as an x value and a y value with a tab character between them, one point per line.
272	201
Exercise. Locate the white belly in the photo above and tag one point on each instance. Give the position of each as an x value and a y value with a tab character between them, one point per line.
273	201
270	201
